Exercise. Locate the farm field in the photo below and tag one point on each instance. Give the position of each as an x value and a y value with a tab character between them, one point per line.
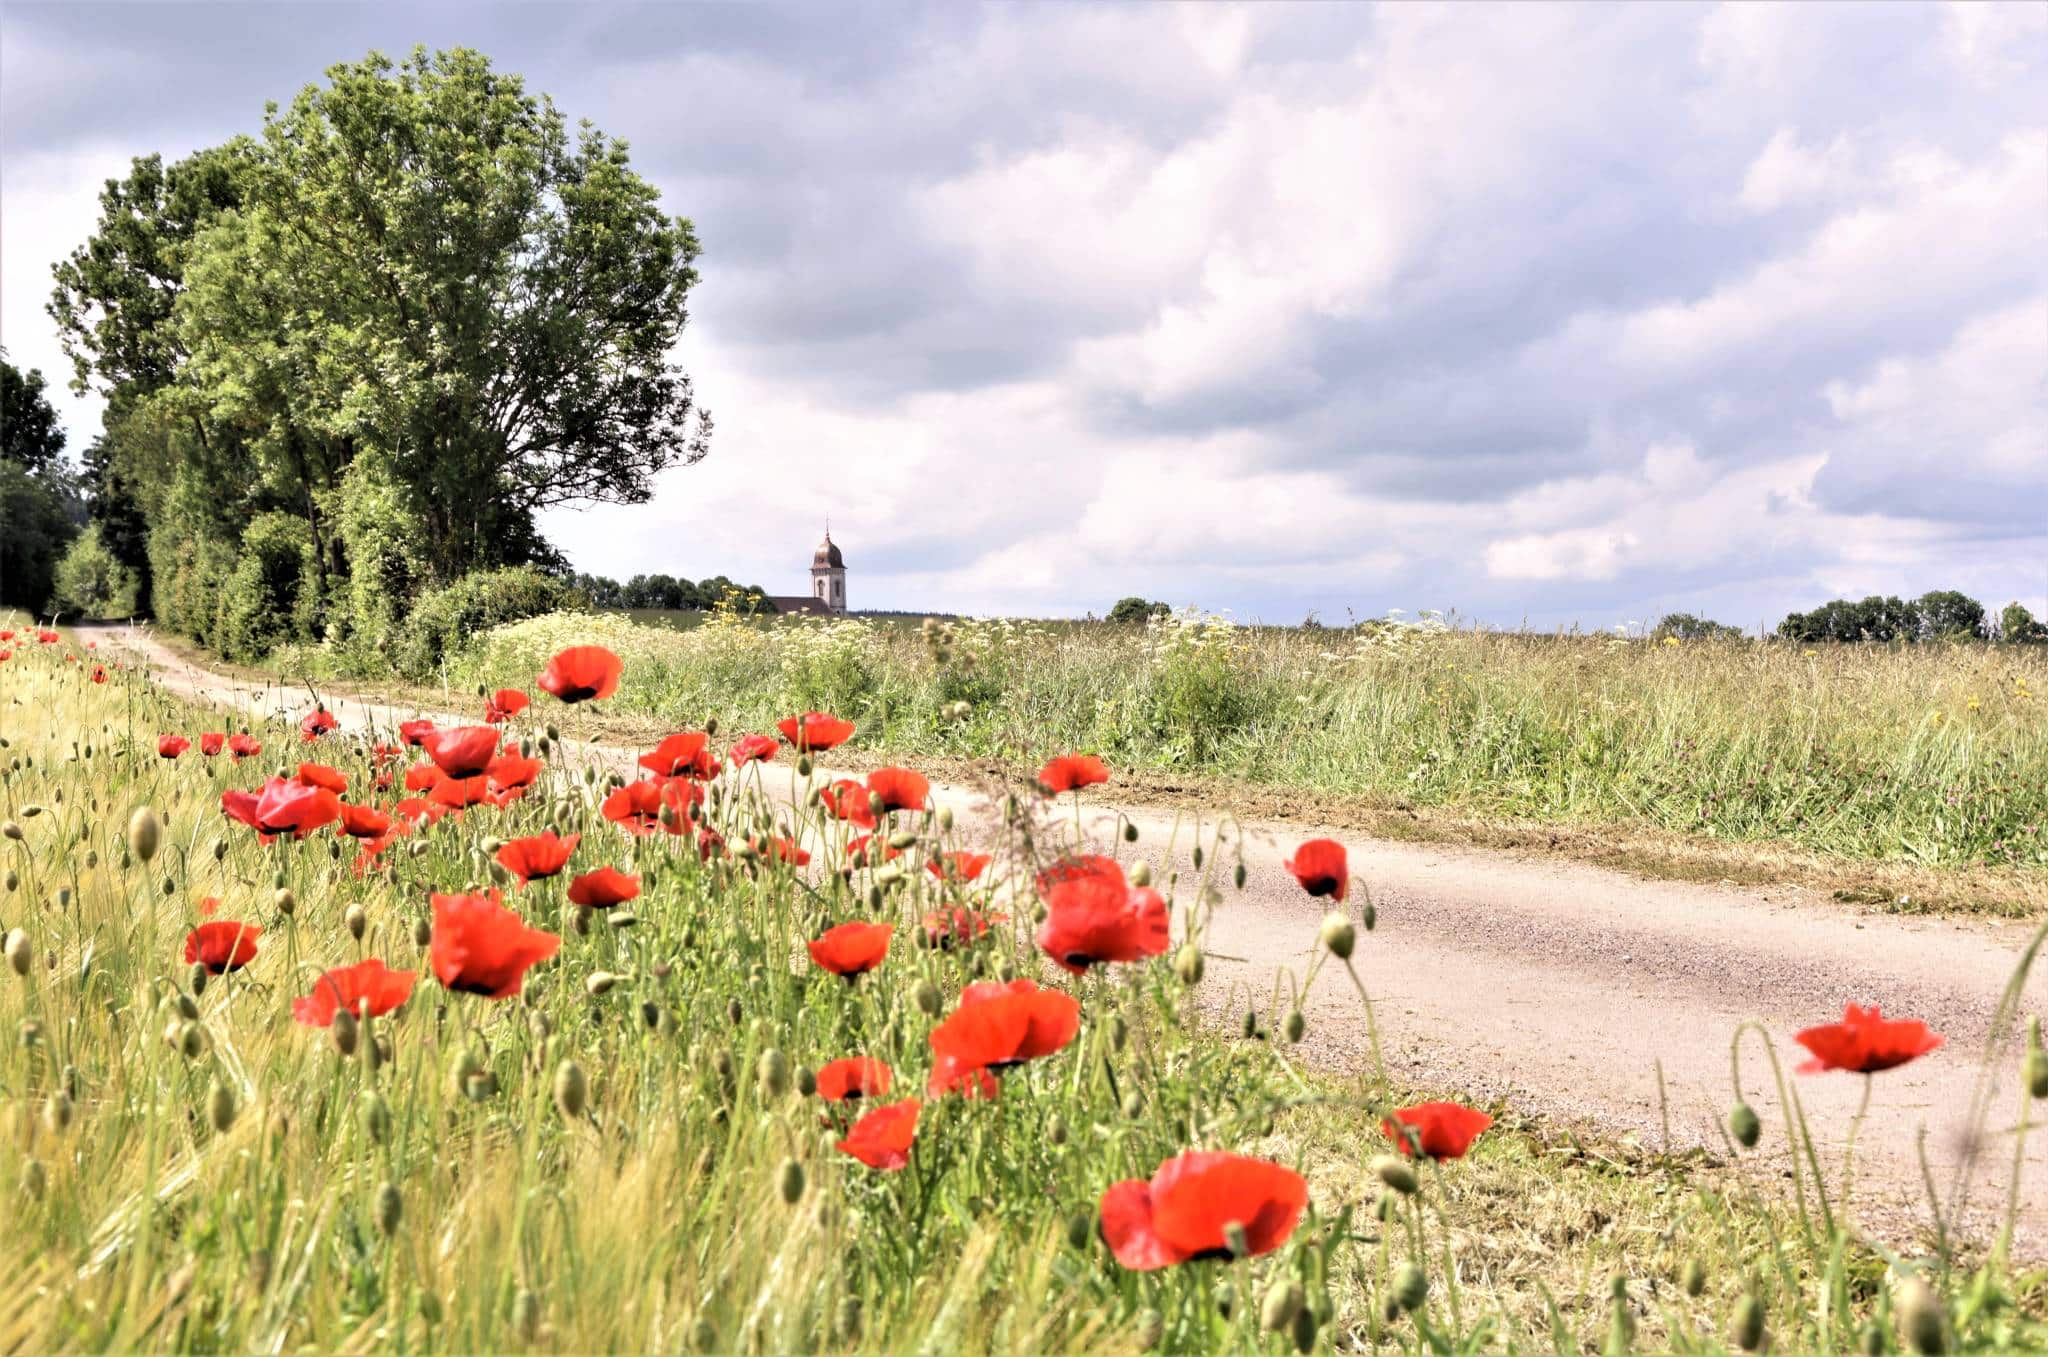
605	1160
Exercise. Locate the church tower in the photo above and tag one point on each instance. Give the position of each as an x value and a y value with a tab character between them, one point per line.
828	574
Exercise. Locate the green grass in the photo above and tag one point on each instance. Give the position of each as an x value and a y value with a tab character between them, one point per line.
191	1170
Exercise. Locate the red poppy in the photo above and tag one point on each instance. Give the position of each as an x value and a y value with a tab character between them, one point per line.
366	989
99	673
710	843
382	754
858	1076
849	800
961	866
362	822
281	806
460	793
222	946
480	947
1099	917
899	788
368	850
317	722
997	1026
541	855
864	852
1071	772
1442	1130
1865	1041
503	705
881	1139
752	747
1322	868
5	655
170	746
852	948
582	673
421	777
321	775
684	754
815	731
418	808
653	803
239	805
211	741
6	633
48	638
944	927
603	888
244	746
510	775
209	907
464	751
1076	868
1184	1212
412	732
781	850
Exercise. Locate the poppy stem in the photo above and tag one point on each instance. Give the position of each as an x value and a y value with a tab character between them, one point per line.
1849	1151
1372	1030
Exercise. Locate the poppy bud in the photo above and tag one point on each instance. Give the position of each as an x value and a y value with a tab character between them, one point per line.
343	1031
355	920
57	1112
1296	1025
34	1178
1080	1229
2034	1070
13	879
1396	1173
422	932
390	1208
11	829
1304	1329
1237	876
1870	1339
927	997
187	1010
481	1087
287	903
1251	1023
1338	935
1692	1279
1282	1303
1746	1325
1187	964
703	1334
598	983
849	1319
375	1115
20	952
1411	1287
190	1041
789	1181
1386	1206
1744	1125
877	807
1134	1105
220	1106
554	735
1224	1297
772	1069
1369	916
572	1090
1235	1239
1922	1324
220	849
1197	856
1119	1030
1149	1329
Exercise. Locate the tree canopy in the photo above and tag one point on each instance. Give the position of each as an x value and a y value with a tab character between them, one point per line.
39	508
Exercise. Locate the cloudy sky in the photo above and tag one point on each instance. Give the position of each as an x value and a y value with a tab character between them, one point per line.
1547	313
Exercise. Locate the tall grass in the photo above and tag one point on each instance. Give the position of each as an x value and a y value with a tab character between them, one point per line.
1928	754
188	1169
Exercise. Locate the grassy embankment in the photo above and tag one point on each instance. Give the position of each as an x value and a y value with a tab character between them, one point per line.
189	1168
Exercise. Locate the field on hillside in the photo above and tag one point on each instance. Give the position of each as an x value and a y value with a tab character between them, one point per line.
581	1113
1934	755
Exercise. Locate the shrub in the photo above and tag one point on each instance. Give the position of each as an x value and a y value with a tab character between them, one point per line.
270	597
90	582
35	525
443	619
1136	611
1687	627
386	559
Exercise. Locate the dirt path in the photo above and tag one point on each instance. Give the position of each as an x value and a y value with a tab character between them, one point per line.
1561	989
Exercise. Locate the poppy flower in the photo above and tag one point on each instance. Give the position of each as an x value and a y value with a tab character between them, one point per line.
864	852
209	907
170	746
317	722
945	927
421	777
710	843
99	673
582	673
899	788
1865	1041
852	948
781	850
752	747
1441	1130
1075	868
293	807
1322	868
48	638
368	988
1072	772
412	732
961	866
222	946
1096	918
511	774
1185	1211
858	1076
211	741
5	655
850	801
362	822
418	808
244	746
881	1139
459	793
383	754
464	751
503	705
684	754
997	1026
480	947
369	849
6	633
815	731
321	775
603	888
541	855
239	805
653	803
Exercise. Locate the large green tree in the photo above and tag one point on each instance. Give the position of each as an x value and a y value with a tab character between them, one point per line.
39	509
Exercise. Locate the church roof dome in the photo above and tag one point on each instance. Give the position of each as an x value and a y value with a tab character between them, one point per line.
827	555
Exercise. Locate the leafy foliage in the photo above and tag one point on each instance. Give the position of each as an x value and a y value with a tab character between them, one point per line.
447	617
1686	627
269	599
1133	610
39	506
90	582
1941	615
2017	626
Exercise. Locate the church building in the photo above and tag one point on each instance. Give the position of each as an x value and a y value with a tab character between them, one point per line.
828	584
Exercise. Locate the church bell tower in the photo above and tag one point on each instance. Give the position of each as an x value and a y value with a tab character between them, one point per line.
828	574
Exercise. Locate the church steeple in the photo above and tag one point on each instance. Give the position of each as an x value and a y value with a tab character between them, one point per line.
828	573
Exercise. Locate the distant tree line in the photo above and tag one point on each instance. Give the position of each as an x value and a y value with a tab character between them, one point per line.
671	592
1943	615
